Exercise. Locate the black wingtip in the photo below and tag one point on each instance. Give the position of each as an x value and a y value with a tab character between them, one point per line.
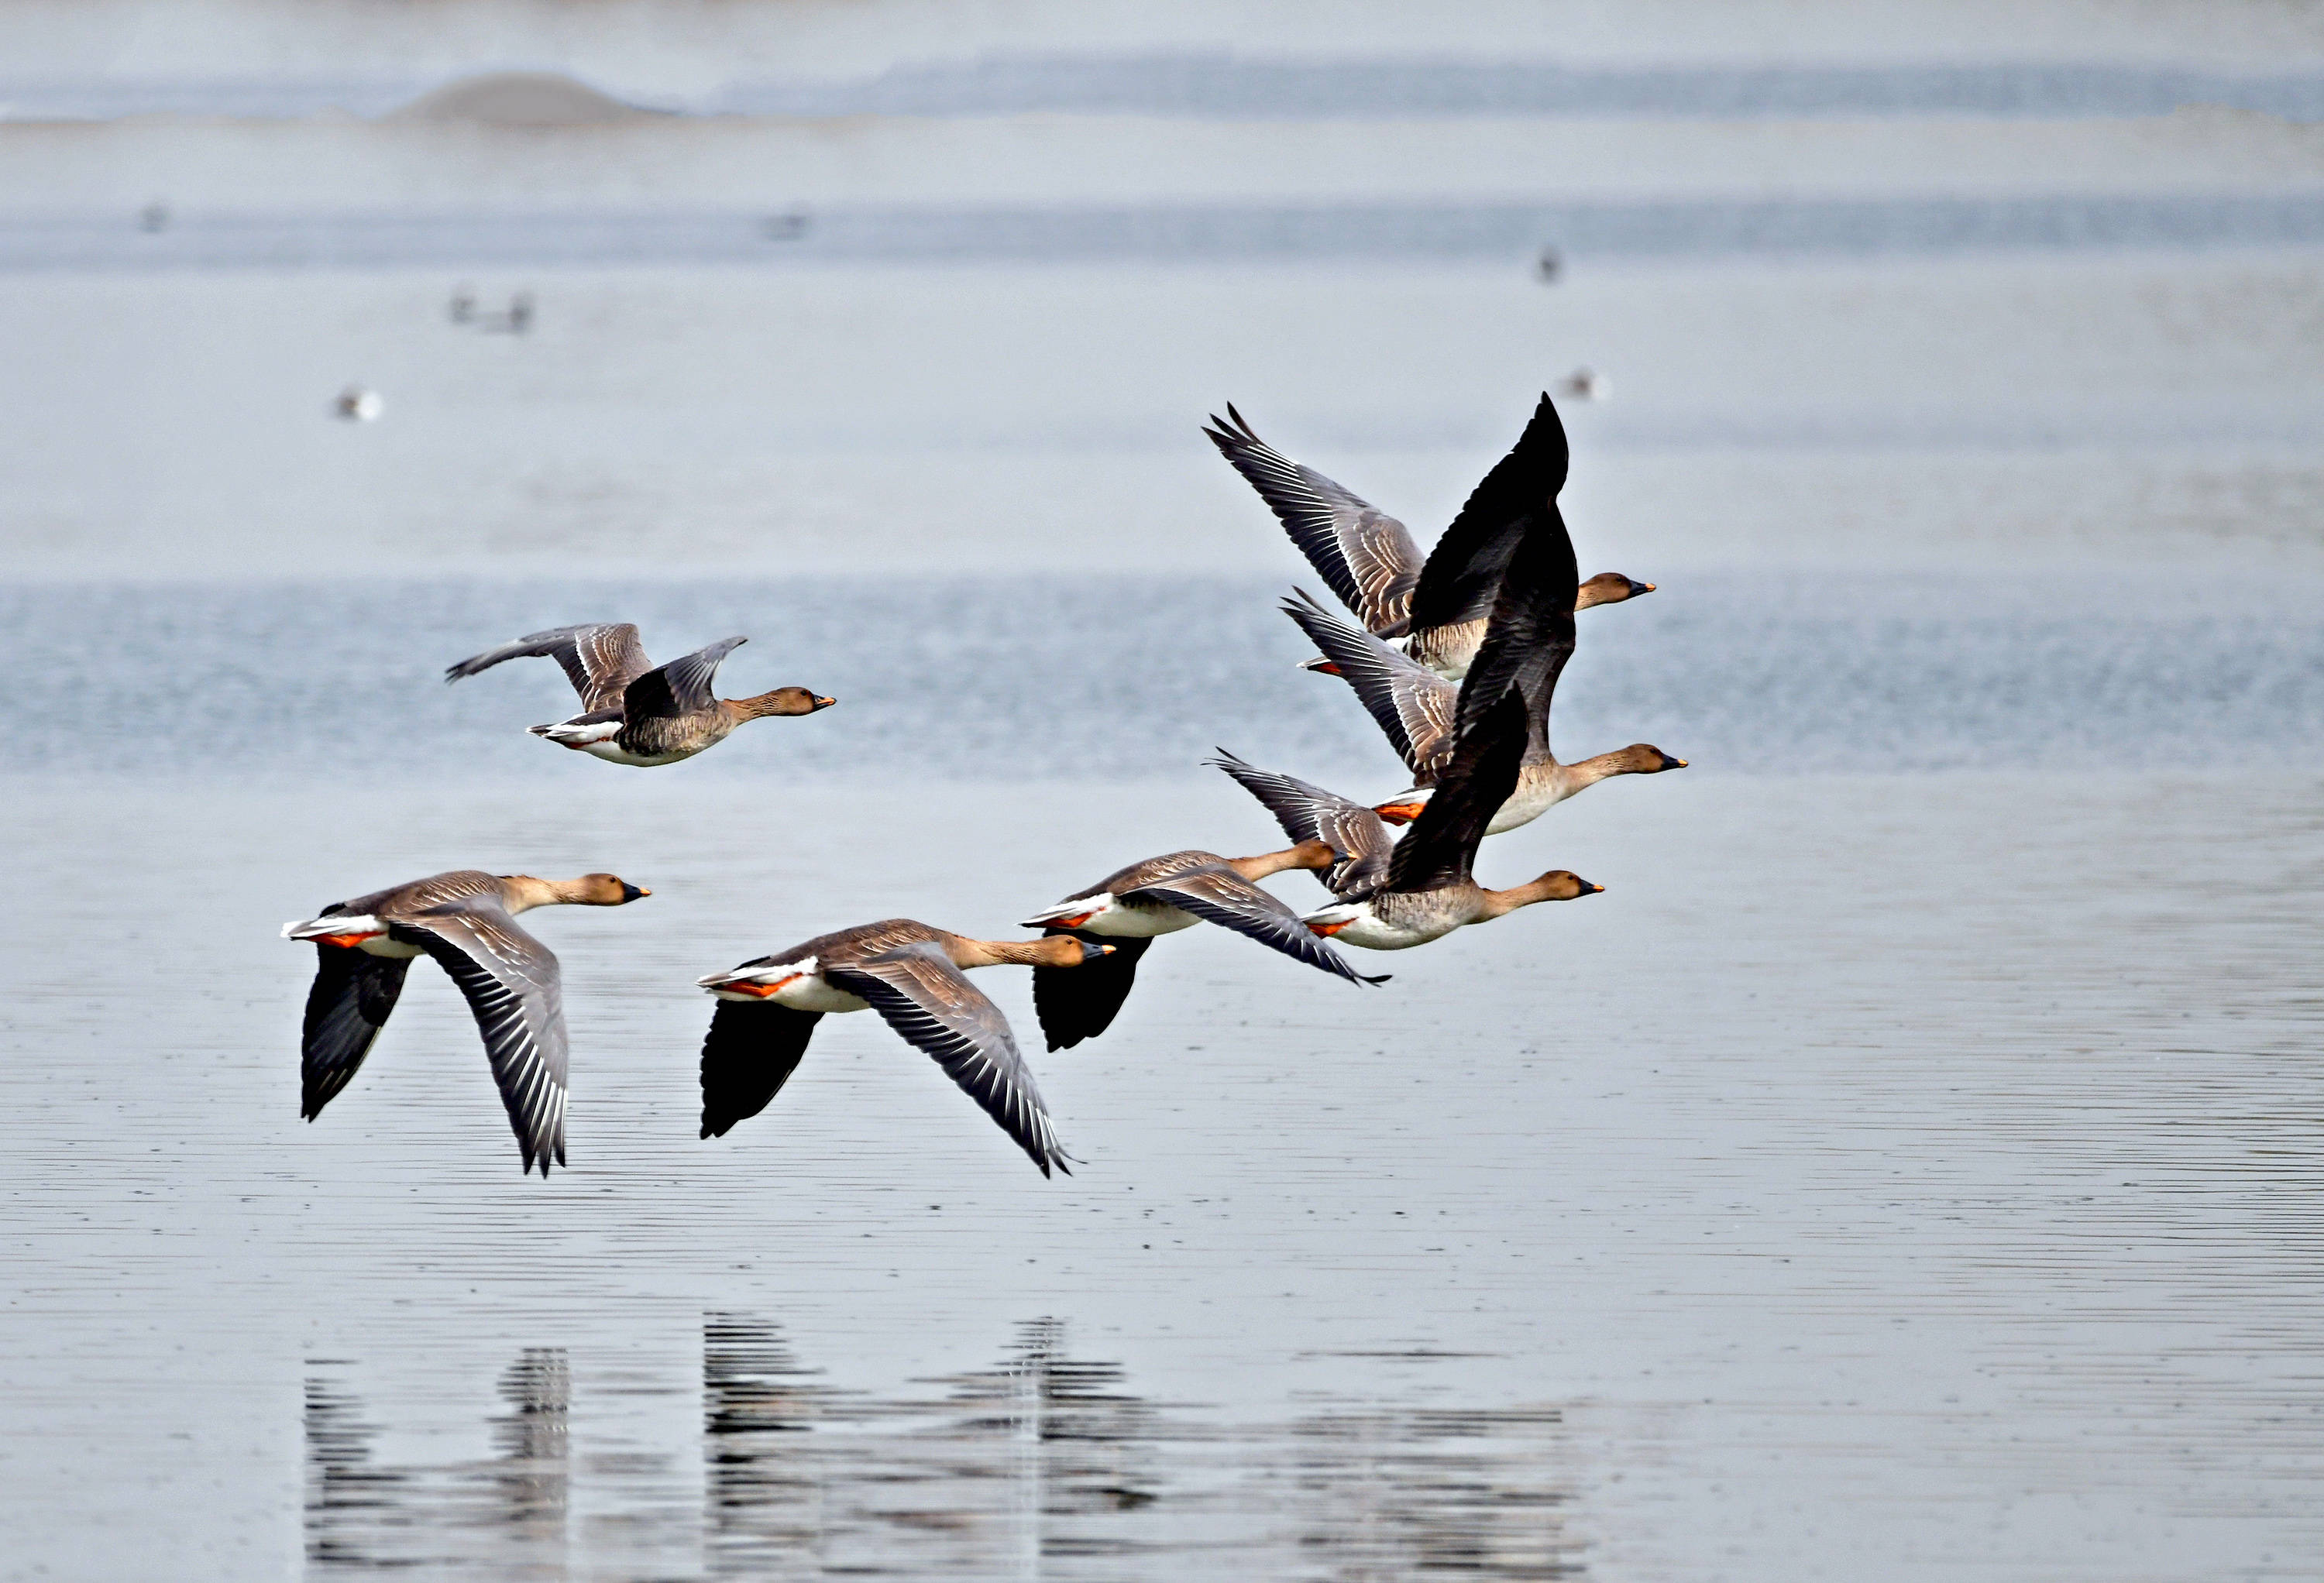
1374	978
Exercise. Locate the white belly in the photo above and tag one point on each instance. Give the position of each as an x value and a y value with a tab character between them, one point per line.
1377	934
1139	923
809	992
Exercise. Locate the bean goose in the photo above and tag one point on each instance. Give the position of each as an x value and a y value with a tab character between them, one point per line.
1414	710
466	920
1434	612
1431	888
1160	896
911	975
635	712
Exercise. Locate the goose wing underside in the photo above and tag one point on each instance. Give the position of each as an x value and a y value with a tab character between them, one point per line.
1309	813
750	1053
1077	1003
1465	570
353	994
921	995
1367	557
681	687
600	658
515	988
1219	896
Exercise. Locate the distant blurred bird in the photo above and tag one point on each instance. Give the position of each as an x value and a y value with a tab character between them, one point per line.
359	405
1586	385
153	217
1549	265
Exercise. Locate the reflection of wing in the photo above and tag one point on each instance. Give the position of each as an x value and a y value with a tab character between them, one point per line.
1465	567
353	993
927	1001
1220	896
600	658
1531	635
511	983
681	687
1365	555
1441	847
751	1052
1411	705
1077	1003
1309	813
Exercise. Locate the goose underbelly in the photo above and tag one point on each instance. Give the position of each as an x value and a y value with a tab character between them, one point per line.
359	931
602	739
806	991
1534	797
1122	921
612	752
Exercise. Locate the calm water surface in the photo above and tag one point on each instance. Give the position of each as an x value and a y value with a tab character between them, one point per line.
1900	1174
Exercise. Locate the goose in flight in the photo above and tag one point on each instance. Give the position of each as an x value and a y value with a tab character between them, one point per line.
634	712
912	974
1436	610
1160	896
1431	888
466	920
1415	709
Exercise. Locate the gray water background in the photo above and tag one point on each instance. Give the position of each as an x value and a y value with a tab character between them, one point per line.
1906	1168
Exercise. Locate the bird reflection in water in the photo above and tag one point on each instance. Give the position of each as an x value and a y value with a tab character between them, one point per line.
1044	1465
364	1516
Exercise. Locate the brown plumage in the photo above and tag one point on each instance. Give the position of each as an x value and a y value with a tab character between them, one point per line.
466	920
634	713
912	974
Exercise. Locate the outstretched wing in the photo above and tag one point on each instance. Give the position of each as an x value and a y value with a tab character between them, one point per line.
1531	634
752	1048
932	1004
1219	895
1077	1003
681	687
1309	813
1366	555
353	994
1411	705
600	659
1441	847
1463	570
513	986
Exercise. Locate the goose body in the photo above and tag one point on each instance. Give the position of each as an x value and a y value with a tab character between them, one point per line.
635	712
1431	888
912	975
1434	612
466	920
1159	895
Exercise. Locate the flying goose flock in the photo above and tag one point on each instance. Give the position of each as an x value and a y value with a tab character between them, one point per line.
1455	655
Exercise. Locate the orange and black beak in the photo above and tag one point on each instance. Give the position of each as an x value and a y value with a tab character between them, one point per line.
1399	813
